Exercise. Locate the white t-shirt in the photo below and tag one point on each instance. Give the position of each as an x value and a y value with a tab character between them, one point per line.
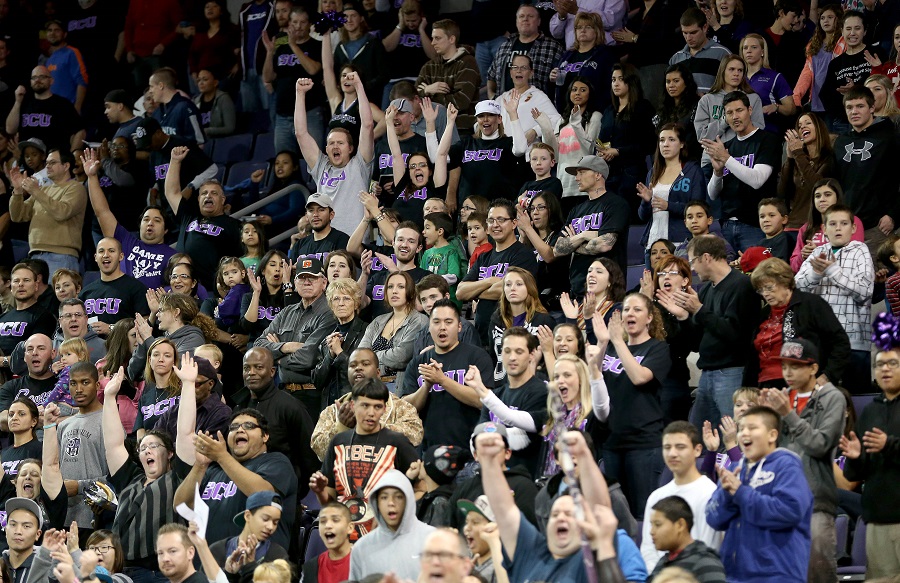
696	494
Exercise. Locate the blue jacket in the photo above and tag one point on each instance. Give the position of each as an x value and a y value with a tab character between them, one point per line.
180	117
691	185
766	522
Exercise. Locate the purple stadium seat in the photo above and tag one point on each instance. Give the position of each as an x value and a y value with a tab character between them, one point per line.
857	554
232	149
242	171
634	251
315	546
842	530
264	148
633	276
860	401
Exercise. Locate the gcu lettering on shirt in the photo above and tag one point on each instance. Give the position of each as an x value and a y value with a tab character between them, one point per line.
106	182
319	256
331	181
36	120
267	313
36	399
160	171
12	468
614	365
205	228
257	16
377	265
219	491
205	118
454	375
387	161
288	60
479	155
591	222
576	67
420	194
103	306
496	270
13	328
158	409
747	161
83	24
410	40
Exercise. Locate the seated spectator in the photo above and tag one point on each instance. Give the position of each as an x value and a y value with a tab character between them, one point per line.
671	526
776	243
176	554
700	52
781	508
33	159
24	525
279	215
176	114
181	278
338	264
330	373
429	290
433	478
212	415
255	244
259	521
35	481
28	317
37	383
604	291
335	528
399	416
217	115
882	88
260	306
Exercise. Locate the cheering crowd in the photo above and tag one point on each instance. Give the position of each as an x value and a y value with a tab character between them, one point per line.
461	291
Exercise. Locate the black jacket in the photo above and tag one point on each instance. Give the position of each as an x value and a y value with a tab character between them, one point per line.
520	482
865	167
881	471
245	575
434	507
699	560
330	373
809	316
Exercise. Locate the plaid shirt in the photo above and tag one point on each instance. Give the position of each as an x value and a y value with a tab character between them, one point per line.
847	285
544	52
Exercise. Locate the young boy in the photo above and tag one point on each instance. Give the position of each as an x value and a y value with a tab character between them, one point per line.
477	229
434	205
773	216
842	273
542	159
744	399
699	221
433	482
259	519
671	522
441	256
764	506
480	527
812	422
429	290
889	256
335	526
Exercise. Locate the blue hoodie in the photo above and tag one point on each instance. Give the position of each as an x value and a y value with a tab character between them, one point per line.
766	522
180	117
690	185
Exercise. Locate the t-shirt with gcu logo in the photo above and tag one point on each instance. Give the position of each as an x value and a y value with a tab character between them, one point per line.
14	456
154	402
489	167
739	199
607	214
52	120
343	185
288	69
447	420
17	325
81	457
383	171
207	240
110	301
37	390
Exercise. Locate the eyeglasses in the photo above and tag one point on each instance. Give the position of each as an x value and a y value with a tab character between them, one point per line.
538	207
74	316
150	446
498	221
118	147
691	261
466	207
104	549
419	165
246	425
892	364
766	289
519	68
441	556
52	163
179	276
665	273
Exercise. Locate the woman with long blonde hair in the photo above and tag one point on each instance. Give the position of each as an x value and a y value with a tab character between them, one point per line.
162	386
572	381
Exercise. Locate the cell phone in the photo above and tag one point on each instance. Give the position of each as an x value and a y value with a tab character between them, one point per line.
93	320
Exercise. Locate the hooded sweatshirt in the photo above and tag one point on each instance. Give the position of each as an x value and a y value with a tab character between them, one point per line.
383	549
766	521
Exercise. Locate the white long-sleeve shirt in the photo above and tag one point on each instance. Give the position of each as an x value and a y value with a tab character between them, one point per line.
613	13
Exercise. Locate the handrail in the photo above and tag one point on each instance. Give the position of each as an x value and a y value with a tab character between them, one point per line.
270	198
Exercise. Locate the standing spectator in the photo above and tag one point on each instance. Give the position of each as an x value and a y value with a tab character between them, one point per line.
324	238
543	51
701	53
24	523
149	30
825	44
400	143
37	384
867	450
211	415
289	56
612	12
409	45
255	19
769	84
810	158
452	76
407	90
217	115
45	116
587	59
213	47
115	295
826	193
119	111
344	169
726	18
864	167
343	97
27	317
55	213
527	98
785	39
344	298
679	105
176	114
268	297
429	290
361	49
66	66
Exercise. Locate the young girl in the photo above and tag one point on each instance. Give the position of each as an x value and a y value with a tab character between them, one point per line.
70	351
478	239
542	159
233	280
826	193
255	244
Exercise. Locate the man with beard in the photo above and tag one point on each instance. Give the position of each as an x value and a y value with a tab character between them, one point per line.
28	317
43	115
229	469
324	239
37	384
175	554
66	66
115	295
407	244
206	234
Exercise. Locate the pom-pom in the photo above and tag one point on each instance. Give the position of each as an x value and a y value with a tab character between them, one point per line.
326	21
886	331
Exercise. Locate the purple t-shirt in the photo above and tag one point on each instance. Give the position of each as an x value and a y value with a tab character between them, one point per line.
143	261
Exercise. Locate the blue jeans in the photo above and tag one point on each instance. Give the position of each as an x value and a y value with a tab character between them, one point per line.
254	96
484	56
638	472
57	261
741	236
714	393
284	130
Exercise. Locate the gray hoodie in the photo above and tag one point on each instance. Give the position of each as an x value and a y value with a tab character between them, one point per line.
383	549
186	339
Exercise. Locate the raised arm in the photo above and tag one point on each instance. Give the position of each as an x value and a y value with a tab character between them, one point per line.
105	217
440	161
51	475
173	178
12	120
186	424
399	166
113	432
332	87
491	453
308	146
366	147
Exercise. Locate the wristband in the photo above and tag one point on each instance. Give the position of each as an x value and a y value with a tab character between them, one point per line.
49	426
380	218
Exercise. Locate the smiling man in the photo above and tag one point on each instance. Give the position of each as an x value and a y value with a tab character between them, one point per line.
115	295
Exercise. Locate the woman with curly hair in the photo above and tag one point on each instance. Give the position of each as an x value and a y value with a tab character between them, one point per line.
635	361
604	289
826	44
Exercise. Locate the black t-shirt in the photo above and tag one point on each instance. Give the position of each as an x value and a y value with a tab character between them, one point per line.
95	32
347	119
225	499
54	509
530	397
14	456
489	167
448	421
845	68
309	247
607	214
383	168
497	330
207	240
410	204
111	301
496	264
552	278
288	69
127	202
532	187
154	402
741	200
637	421
205	108
358	459
19	325
194	164
25	386
52	120
376	283
409	56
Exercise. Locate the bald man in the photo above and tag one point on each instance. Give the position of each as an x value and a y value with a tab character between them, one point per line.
290	427
444	556
115	295
45	116
37	384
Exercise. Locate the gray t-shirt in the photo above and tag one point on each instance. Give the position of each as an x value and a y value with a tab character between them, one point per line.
82	458
343	186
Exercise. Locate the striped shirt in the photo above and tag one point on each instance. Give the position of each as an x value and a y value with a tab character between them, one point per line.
704	65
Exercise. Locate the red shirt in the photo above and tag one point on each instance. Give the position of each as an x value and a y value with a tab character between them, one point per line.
333	571
768	343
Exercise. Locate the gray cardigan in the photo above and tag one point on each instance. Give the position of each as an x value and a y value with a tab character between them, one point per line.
222	118
399	355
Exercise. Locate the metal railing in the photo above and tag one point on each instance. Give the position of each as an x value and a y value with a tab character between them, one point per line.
271	198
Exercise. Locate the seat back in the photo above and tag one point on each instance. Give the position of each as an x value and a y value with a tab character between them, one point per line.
315	546
232	149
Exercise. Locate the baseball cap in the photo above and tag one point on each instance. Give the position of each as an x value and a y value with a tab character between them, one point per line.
350	5
489	427
799	350
143	133
310	266
118	96
102	573
487	106
34	143
205	368
443	462
480	505
28	504
753	256
320	199
258	500
402	105
595	163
